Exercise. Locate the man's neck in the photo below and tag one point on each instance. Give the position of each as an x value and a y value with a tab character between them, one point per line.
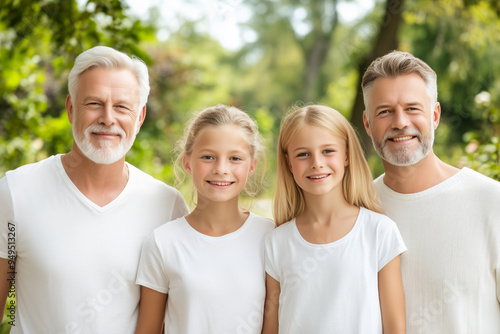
425	174
99	183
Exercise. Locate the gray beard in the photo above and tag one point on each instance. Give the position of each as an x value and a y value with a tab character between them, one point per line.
404	156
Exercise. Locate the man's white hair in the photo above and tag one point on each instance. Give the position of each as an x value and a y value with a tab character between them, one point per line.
109	58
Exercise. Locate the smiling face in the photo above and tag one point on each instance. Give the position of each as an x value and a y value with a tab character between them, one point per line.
317	160
220	163
105	114
400	120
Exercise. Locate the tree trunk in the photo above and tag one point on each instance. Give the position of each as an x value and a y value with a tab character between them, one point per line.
387	40
316	52
315	58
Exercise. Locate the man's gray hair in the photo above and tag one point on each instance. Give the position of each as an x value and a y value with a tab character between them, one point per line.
397	63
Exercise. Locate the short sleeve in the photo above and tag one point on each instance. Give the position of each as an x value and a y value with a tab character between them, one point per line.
270	259
6	217
389	242
151	273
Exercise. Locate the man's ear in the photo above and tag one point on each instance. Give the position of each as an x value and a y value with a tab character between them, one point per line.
69	109
142	117
185	164
436	115
366	123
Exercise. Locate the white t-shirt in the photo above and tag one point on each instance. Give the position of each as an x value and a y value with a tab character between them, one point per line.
76	261
451	272
332	288
214	284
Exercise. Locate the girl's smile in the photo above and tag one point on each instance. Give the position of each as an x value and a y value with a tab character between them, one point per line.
318	177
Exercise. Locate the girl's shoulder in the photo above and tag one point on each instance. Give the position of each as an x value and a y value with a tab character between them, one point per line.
260	223
377	223
283	231
261	220
374	217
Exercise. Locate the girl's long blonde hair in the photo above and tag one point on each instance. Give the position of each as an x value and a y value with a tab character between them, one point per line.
357	183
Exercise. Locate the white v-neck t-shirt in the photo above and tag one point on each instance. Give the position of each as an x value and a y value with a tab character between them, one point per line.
332	288
76	261
215	285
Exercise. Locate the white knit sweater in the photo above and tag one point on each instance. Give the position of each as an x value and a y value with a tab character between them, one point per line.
451	271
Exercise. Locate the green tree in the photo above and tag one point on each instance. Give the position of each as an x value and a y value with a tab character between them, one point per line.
311	27
38	43
460	41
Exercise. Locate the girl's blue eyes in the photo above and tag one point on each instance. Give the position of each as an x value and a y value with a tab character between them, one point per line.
209	157
305	154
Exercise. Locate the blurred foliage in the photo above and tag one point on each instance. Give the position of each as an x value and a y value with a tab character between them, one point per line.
38	43
483	146
301	53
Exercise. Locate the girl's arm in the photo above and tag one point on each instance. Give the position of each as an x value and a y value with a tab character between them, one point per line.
392	298
271	306
151	311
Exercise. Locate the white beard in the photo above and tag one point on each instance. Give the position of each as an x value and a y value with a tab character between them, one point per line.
104	154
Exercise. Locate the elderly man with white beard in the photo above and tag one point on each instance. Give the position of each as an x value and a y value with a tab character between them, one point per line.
449	218
72	225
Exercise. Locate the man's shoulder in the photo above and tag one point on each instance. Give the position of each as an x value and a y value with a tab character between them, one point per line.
33	169
145	177
475	180
148	182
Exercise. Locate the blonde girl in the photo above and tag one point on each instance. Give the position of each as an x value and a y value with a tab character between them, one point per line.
333	262
204	273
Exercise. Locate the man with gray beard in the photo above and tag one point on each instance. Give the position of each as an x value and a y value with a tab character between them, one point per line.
72	225
449	218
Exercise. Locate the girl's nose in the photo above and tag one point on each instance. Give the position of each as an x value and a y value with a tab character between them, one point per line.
317	161
220	167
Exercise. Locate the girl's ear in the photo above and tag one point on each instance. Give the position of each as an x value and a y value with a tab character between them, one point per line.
346	162
253	166
185	164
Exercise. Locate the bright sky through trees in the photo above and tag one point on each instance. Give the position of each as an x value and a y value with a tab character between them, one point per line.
222	17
